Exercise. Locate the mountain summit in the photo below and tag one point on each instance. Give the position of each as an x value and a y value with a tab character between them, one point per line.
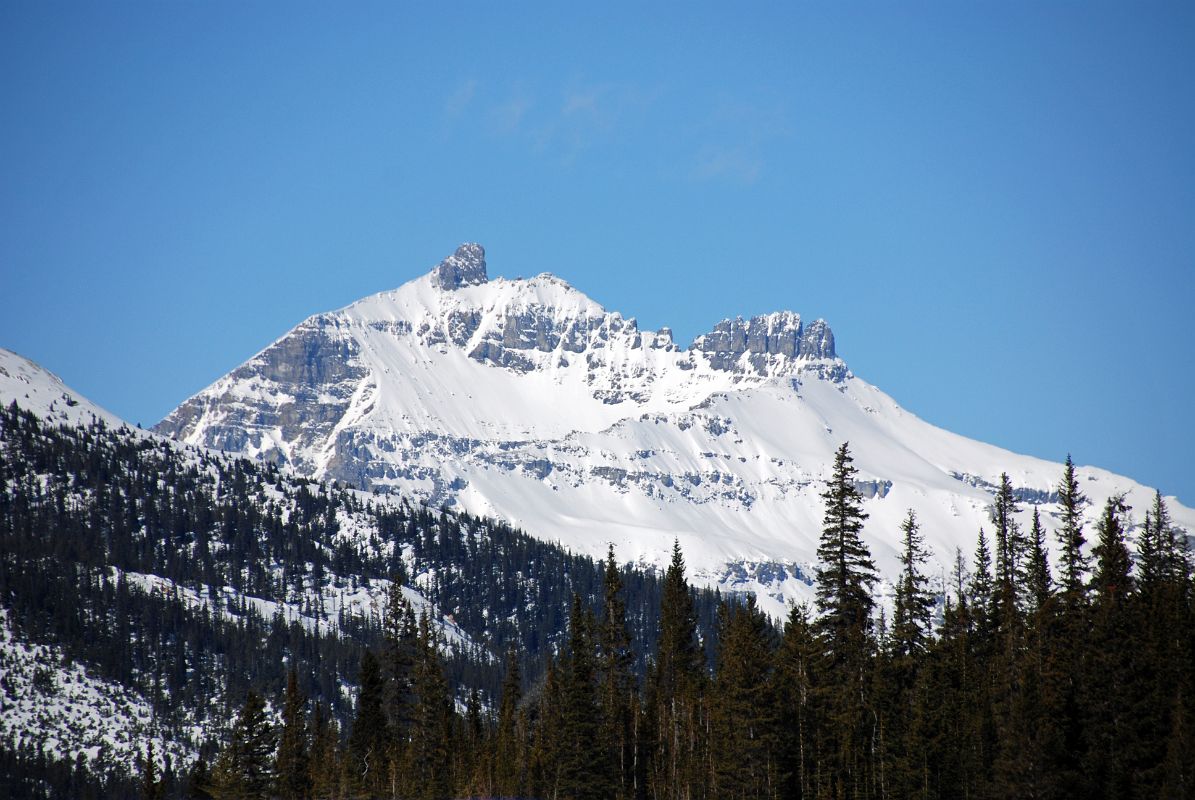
465	267
525	399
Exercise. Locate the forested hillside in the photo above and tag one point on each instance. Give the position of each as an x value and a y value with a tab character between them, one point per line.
160	584
178	623
1064	682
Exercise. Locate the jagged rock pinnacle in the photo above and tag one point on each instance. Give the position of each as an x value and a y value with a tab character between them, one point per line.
773	334
465	267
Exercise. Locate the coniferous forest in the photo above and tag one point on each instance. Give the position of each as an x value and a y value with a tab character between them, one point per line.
1024	678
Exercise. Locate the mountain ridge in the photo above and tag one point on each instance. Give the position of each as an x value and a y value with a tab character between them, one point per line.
526	400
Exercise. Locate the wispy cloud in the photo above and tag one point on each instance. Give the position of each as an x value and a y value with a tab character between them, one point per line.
733	164
460	100
507	116
737	133
559	122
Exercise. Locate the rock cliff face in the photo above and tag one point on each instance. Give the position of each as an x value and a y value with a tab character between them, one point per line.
300	386
526	400
772	335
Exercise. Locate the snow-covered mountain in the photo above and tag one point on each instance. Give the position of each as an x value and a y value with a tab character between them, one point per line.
526	400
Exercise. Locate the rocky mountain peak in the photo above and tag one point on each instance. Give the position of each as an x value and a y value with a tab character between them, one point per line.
465	267
778	334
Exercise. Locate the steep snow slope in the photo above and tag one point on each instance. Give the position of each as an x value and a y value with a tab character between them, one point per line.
42	392
526	400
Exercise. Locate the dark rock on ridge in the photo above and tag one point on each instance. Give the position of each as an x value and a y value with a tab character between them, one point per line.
465	267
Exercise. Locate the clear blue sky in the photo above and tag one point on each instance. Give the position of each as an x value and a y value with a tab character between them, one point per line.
992	203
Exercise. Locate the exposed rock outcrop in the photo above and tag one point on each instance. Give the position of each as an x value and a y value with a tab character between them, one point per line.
465	267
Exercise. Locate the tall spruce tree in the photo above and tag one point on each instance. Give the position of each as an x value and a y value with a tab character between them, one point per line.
325	763
845	576
1165	618
509	758
585	772
367	766
798	660
1072	564
292	763
400	635
845	571
678	655
744	731
1111	680
150	783
912	622
981	591
245	768
1036	572
617	680
1111	581
1010	550
427	760
674	691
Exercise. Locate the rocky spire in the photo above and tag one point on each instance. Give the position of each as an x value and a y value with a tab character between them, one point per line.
772	334
465	267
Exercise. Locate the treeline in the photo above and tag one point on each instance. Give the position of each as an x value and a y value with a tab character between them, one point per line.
1034	681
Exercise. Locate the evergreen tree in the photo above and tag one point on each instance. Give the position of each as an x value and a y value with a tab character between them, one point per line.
1151	568
548	746
1111	581
400	634
1008	682
324	764
584	768
1010	549
743	715
509	759
982	595
1036	576
678	657
674	691
199	781
1174	558
1072	562
244	769
845	576
981	648
151	785
367	763
799	757
1164	617
1111	680
431	729
845	572
911	620
617	681
292	765
397	667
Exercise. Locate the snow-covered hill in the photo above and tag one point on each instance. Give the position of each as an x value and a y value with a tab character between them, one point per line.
36	389
526	400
